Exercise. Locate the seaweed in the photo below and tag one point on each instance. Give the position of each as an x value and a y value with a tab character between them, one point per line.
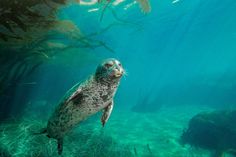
22	18
31	35
21	59
18	138
144	5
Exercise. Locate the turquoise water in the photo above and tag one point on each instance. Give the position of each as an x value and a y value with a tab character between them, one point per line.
179	59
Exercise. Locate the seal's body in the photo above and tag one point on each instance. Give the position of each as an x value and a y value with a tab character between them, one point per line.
86	99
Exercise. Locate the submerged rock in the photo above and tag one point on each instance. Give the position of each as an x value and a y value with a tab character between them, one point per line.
215	131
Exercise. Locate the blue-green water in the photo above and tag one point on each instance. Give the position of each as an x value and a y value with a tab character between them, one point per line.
180	61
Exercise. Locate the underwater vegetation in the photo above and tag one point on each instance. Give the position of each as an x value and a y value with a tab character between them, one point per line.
35	22
145	5
23	32
123	136
18	18
31	34
17	139
214	131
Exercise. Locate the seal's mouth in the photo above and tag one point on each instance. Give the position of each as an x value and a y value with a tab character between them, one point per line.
111	70
118	73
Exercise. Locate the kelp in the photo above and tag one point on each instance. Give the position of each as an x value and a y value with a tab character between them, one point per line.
19	17
144	5
31	34
18	139
21	58
15	67
21	23
30	53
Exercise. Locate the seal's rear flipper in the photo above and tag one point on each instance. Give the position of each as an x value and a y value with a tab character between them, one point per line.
60	146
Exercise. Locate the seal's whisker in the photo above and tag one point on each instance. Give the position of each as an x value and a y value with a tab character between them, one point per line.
125	72
124	77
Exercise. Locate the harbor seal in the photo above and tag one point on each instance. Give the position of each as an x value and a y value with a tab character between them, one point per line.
86	99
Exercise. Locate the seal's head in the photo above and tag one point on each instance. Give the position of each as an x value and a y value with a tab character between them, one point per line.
109	71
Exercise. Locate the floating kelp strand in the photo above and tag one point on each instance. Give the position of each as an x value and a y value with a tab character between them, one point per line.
103	44
17	72
31	13
13	18
51	5
7	25
104	8
18	13
144	5
34	67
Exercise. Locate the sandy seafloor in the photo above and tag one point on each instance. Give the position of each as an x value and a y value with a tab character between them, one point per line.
126	134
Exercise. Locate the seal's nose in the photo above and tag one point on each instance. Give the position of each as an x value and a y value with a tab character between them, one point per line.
118	72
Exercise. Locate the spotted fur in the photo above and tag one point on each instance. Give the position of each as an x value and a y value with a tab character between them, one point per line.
86	99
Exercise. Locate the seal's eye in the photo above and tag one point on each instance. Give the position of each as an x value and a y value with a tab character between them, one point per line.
119	64
108	65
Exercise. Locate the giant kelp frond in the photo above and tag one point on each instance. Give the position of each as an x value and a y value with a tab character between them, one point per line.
68	28
144	5
21	58
22	19
31	34
20	16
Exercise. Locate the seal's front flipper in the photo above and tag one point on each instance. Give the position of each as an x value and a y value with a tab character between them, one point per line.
106	114
60	146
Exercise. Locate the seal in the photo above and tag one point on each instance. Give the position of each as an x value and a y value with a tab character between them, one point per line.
85	99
